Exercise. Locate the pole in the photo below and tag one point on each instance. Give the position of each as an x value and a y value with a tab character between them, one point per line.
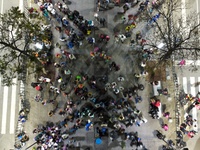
30	145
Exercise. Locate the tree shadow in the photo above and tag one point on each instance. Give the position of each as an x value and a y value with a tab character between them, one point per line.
114	144
119	28
161	122
197	84
118	16
196	147
164	108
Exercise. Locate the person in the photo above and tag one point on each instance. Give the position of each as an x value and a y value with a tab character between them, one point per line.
138	99
44	102
154	19
143	64
123	19
182	62
46	14
138	35
166	114
121	117
137	123
34	84
122	37
190	134
155	3
183	128
165	127
51	113
117	68
116	38
57	65
126	7
61	112
107	38
43	79
91	40
171	143
116	91
117	2
120	78
142	6
160	135
98	5
102	21
39	87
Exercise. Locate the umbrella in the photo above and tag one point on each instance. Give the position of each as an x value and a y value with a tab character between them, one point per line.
38	87
91	23
92	54
98	141
96	49
157	104
182	62
80	86
70	45
78	78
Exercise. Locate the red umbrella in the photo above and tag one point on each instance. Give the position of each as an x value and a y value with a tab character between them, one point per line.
157	103
38	87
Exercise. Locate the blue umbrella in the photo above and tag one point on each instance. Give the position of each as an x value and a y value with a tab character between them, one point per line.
98	141
70	45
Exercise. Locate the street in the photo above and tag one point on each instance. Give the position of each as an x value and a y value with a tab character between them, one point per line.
7	4
189	82
188	75
9	99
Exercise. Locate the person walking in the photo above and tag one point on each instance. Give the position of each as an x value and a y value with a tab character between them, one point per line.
166	114
165	127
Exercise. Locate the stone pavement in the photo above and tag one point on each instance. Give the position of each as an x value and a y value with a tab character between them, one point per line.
123	55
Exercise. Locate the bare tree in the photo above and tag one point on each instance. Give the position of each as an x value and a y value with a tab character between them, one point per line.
172	34
16	34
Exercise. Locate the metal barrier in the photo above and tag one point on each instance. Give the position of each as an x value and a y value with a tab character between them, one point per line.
26	12
23	101
20	125
176	97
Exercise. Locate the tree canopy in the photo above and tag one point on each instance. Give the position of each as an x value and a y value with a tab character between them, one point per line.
17	33
173	34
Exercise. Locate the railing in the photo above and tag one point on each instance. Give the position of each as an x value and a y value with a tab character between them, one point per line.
176	97
26	12
23	103
20	124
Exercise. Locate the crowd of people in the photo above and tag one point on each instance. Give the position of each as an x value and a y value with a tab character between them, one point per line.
189	126
92	101
88	88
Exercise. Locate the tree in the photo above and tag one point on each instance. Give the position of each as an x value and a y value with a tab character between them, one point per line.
173	35
16	34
